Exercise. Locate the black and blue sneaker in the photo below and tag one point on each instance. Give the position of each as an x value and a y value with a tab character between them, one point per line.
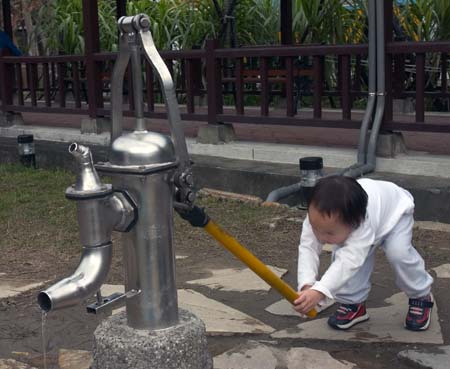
347	315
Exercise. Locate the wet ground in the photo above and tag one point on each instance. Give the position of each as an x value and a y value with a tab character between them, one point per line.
272	234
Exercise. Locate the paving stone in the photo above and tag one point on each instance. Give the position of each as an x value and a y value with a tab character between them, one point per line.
307	358
295	220
13	287
281	307
432	226
74	359
442	271
238	280
385	325
434	358
219	318
13	364
284	308
109	289
254	355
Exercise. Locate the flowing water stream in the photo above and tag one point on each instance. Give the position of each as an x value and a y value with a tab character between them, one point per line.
44	339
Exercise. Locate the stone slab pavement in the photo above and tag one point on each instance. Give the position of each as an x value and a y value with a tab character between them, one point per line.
234	279
385	325
255	355
435	358
264	350
13	287
442	271
219	318
13	364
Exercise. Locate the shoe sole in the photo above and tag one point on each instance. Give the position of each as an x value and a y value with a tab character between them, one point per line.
344	327
421	328
428	322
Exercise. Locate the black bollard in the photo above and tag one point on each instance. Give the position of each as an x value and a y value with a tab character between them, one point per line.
27	155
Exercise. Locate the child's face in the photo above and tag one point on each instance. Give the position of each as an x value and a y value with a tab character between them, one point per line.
328	229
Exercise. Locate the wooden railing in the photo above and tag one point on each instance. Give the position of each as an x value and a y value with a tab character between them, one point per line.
62	84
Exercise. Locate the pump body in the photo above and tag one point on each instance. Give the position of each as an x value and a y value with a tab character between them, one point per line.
149	172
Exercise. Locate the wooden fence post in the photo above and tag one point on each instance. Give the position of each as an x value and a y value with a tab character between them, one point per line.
213	82
7	80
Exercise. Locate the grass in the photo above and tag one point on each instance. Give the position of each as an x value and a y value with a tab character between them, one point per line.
33	209
34	213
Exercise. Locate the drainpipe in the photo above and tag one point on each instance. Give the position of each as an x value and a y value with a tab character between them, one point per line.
283	192
370	161
368	115
366	158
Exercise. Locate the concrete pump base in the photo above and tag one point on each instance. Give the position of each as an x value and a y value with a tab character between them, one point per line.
118	346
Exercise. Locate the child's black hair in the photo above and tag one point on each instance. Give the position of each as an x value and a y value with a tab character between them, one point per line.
340	195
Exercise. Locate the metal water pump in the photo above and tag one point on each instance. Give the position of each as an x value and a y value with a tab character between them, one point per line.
150	175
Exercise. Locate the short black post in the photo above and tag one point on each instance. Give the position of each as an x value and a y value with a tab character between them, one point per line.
27	155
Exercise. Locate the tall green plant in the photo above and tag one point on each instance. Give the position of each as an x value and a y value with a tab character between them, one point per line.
184	23
257	22
329	21
61	32
176	23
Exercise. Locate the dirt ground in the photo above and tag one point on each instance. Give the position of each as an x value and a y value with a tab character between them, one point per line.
272	234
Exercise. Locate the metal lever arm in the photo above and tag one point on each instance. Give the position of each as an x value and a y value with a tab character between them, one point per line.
134	32
118	74
168	89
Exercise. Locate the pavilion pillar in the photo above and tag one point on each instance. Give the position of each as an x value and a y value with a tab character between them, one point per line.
388	30
286	22
6	11
121	8
95	123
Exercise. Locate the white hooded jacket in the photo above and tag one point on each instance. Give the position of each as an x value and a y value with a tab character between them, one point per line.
387	202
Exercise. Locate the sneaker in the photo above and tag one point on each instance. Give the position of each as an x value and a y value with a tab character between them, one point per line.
419	313
347	315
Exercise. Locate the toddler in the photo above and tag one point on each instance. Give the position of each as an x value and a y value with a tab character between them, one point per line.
356	217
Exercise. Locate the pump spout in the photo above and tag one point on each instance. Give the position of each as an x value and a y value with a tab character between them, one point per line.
100	211
84	282
87	180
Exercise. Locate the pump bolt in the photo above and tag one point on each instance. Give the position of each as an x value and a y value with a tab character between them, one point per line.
188	179
190	196
144	22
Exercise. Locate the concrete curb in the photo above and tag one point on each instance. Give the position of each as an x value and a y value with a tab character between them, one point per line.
414	163
215	169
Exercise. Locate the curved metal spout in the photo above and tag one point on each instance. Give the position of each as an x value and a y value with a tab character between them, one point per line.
84	282
87	180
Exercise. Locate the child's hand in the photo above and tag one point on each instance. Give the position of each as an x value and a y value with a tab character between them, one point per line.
307	300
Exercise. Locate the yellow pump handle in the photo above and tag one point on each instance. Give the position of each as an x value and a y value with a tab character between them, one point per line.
232	245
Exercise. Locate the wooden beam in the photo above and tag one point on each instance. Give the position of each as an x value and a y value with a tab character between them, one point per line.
121	8
286	22
388	30
6	11
92	45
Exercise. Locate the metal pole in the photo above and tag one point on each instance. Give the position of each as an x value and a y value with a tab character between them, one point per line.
137	87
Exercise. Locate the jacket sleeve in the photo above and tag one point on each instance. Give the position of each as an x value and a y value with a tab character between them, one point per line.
308	256
348	259
6	42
